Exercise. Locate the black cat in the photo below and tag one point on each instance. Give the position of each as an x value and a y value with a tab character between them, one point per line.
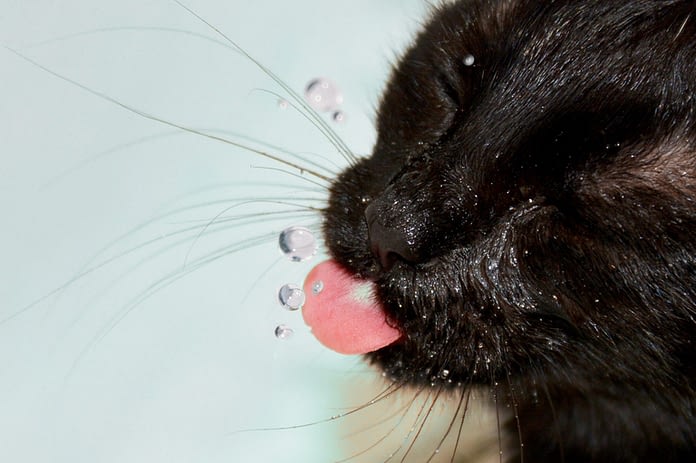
528	221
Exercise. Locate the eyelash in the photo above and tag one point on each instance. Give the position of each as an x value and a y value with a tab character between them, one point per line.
453	95
449	90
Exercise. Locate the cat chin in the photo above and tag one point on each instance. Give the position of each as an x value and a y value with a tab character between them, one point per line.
346	314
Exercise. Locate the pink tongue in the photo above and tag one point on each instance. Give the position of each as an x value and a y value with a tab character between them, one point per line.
343	314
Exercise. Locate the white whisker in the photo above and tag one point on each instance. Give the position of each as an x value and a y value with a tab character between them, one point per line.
309	113
167	122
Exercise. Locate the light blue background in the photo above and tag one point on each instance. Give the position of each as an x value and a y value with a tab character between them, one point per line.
181	372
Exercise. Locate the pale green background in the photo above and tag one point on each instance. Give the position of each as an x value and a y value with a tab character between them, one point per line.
185	369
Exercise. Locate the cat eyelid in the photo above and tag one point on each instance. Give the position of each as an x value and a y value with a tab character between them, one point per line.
450	90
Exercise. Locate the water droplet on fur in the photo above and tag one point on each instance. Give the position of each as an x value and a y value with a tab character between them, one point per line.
469	60
297	243
535	397
317	287
283	332
291	297
323	95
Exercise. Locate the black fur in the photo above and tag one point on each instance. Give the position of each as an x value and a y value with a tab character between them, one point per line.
533	220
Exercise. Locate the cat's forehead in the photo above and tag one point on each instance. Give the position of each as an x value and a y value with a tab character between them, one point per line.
508	66
531	42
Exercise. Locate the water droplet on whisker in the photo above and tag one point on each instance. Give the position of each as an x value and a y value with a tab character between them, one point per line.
323	95
283	332
291	297
297	243
338	117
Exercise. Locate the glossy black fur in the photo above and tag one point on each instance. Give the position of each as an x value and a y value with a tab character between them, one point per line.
533	220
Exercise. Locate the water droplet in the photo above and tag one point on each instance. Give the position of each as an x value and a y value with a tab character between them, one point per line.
297	243
283	332
469	60
535	397
338	117
323	95
283	104
291	297
317	287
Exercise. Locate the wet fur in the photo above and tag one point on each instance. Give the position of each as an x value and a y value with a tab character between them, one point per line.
533	221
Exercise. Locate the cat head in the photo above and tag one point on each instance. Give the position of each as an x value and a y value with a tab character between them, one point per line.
530	204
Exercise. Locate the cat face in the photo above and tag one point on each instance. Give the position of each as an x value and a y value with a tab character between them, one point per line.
528	209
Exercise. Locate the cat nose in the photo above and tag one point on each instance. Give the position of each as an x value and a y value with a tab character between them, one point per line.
389	243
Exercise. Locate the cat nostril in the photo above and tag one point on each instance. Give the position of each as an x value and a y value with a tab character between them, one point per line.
388	244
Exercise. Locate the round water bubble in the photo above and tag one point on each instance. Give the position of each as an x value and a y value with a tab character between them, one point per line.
469	60
283	332
297	243
291	297
317	287
338	117
283	103
322	94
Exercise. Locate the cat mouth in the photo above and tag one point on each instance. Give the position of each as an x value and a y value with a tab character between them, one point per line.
344	313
